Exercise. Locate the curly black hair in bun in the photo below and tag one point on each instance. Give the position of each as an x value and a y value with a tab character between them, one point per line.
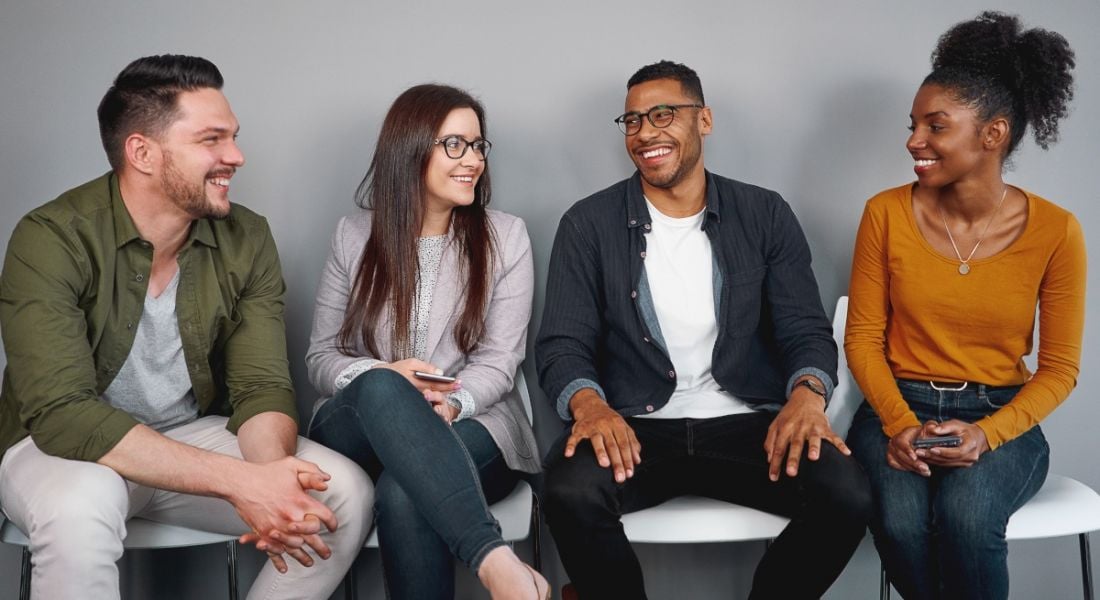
992	65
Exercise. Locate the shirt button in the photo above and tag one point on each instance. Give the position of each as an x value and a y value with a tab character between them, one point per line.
672	374
649	407
633	221
648	227
130	325
139	277
642	254
633	293
646	339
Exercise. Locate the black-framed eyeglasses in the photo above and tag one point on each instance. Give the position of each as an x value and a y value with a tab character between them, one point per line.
455	146
659	116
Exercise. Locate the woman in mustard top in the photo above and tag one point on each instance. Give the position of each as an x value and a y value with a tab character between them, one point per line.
946	277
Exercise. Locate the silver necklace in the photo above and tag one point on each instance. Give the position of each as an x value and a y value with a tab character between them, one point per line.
964	266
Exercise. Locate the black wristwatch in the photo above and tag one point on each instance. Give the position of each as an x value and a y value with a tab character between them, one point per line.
813	387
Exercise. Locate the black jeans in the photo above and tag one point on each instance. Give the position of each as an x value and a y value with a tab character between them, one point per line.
829	504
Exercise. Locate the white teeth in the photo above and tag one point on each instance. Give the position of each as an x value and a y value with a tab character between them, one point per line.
925	162
656	152
463	178
222	181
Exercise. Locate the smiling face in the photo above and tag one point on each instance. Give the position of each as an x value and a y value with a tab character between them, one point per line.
947	142
667	156
450	182
199	154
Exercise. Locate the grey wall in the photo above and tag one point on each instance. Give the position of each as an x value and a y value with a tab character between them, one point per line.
809	98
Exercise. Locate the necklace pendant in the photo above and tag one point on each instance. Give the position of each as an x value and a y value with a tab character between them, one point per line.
964	269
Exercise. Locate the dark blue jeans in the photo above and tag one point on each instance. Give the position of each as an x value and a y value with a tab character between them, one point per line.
944	536
433	482
828	503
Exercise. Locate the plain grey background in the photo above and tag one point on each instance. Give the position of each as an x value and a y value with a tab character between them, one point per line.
809	98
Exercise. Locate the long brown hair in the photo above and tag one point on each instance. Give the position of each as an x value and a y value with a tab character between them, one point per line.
393	189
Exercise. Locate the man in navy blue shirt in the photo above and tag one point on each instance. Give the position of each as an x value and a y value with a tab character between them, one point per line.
685	340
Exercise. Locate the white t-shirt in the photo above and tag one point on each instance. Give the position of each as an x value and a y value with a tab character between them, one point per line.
678	264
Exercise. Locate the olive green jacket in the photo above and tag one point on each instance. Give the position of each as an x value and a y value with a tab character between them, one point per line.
71	296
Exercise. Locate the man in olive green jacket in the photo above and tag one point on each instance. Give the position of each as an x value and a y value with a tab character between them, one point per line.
142	317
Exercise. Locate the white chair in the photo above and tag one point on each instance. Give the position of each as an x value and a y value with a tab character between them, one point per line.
692	519
141	534
517	513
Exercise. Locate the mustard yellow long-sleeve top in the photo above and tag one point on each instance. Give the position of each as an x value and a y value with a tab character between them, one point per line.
911	315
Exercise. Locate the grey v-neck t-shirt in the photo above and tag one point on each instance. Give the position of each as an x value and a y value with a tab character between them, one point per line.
153	384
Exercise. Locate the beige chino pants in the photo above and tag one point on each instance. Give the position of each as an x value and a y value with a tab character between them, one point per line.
75	513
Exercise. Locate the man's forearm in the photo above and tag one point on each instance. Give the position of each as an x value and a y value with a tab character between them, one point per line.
268	436
149	458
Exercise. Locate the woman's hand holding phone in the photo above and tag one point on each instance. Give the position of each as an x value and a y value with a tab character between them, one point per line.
408	368
972	444
901	455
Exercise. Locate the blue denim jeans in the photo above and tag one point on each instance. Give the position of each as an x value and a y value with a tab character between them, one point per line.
434	482
944	536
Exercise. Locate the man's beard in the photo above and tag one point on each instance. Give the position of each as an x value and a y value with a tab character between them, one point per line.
191	198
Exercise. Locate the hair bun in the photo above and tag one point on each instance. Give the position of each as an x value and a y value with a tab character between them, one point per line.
1032	68
986	46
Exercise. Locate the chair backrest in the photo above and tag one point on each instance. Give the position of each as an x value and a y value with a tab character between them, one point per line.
846	397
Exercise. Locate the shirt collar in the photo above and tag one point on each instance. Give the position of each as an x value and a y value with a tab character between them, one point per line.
125	230
637	214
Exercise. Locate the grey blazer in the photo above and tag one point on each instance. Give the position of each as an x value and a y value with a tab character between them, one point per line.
488	372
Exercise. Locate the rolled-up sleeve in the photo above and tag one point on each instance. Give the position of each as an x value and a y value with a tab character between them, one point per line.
51	372
256	366
565	349
803	332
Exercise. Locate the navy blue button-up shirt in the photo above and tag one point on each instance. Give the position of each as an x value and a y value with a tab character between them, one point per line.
600	330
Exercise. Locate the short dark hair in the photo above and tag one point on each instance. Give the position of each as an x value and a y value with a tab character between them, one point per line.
991	64
666	69
144	97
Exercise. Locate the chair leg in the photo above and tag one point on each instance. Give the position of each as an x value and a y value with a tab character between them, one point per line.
536	532
883	584
25	576
1086	565
350	591
231	563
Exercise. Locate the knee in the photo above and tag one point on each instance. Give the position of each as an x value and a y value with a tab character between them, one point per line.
970	532
87	513
842	489
377	384
903	527
578	489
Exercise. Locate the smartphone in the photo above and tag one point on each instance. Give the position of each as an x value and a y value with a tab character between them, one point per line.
433	377
947	441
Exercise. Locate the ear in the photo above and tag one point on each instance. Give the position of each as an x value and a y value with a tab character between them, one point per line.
706	120
995	134
140	153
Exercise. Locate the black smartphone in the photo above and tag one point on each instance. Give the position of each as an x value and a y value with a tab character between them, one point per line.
433	377
947	441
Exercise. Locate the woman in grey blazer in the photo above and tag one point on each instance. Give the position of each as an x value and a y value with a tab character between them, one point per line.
426	281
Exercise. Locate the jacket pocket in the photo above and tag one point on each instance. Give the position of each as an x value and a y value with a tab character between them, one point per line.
741	304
